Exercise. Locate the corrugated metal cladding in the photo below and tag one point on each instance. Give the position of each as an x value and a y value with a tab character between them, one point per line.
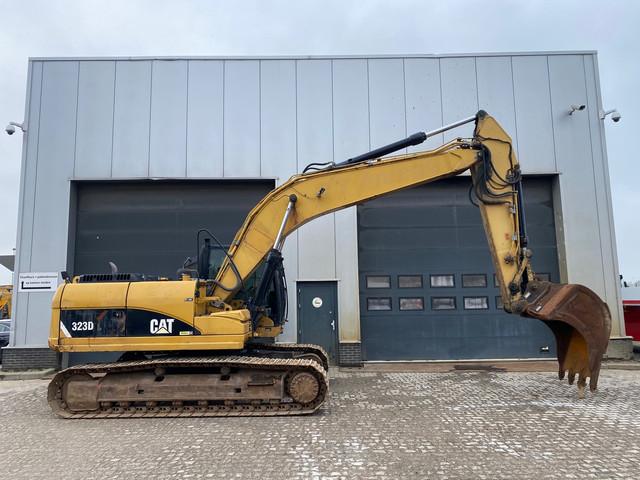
150	227
427	285
267	118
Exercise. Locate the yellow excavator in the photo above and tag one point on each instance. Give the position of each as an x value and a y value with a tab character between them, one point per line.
5	301
199	346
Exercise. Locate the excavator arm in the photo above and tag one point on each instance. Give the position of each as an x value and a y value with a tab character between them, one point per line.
578	318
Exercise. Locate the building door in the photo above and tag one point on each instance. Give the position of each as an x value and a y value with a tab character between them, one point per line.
318	315
150	226
427	285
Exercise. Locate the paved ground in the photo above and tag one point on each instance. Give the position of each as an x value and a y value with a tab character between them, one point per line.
461	424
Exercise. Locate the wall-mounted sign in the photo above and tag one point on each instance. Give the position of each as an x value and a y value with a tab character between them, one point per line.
38	282
316	302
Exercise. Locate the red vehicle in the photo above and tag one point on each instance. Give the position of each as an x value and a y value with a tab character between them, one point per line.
631	307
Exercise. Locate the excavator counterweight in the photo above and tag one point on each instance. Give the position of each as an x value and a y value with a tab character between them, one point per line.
196	346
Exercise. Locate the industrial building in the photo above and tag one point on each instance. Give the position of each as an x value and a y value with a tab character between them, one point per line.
124	159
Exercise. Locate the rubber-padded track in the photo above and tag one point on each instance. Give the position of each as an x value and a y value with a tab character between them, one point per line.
220	409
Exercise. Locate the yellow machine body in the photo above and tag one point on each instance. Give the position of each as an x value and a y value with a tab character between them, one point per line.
166	302
5	301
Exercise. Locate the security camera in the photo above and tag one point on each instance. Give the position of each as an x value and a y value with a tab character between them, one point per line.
615	115
11	128
576	108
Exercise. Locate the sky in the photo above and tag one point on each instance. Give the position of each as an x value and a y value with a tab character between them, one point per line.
36	28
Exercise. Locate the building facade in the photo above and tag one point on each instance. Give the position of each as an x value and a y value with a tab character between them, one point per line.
124	159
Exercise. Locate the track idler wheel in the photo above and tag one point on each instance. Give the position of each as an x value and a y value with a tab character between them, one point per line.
303	387
581	323
78	392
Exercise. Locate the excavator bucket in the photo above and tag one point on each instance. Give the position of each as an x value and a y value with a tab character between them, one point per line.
581	323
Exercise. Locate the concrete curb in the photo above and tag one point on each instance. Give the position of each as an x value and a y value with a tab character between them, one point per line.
27	374
549	365
621	365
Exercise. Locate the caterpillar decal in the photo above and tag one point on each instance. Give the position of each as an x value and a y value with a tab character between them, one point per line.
161	326
121	323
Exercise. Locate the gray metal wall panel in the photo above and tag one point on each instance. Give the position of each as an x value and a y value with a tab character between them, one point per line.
279	156
95	119
168	131
54	168
132	112
290	256
278	119
603	195
386	101
459	94
495	92
27	203
423	98
351	137
350	109
316	240
574	158
55	164
205	114
536	149
242	118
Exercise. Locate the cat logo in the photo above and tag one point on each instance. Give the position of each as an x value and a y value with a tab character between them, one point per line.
162	326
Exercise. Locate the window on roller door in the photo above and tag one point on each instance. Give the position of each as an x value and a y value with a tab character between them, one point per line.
378	281
409	281
377	304
477	297
442	281
474	280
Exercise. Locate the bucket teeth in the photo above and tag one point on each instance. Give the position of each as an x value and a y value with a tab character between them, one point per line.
582	382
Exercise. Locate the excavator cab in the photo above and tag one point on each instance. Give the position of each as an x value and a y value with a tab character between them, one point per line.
210	259
264	291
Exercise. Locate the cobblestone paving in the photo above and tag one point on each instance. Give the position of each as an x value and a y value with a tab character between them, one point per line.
376	425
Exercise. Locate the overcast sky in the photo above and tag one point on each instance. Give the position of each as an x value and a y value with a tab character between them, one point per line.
162	28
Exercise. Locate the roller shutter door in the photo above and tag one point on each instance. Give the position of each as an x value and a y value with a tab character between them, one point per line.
427	286
150	226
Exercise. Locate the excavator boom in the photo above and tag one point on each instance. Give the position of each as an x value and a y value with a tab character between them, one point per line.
579	319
